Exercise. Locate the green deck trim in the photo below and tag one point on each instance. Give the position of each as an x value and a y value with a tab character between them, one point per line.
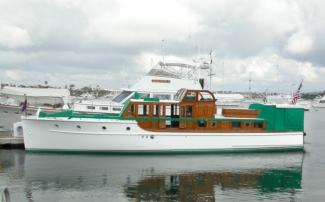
153	99
136	95
126	104
162	152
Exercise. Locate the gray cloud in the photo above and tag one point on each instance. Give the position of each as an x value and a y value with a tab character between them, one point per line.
96	42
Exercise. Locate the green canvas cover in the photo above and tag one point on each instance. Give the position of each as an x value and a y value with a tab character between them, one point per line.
280	119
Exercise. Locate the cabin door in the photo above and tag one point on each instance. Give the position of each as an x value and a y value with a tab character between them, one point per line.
186	113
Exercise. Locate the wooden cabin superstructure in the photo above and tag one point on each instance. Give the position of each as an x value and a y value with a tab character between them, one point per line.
191	111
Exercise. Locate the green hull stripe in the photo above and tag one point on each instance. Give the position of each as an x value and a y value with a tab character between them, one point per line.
180	151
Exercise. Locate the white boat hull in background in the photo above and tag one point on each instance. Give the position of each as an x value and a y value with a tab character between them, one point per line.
12	114
90	135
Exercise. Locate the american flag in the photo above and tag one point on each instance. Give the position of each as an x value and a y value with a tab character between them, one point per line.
296	95
23	105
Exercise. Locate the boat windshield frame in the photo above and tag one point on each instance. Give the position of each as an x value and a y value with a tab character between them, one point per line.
122	96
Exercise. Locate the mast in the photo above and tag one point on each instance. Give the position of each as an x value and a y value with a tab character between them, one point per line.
210	70
162	50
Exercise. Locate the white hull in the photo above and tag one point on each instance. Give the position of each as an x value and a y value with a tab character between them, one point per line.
64	135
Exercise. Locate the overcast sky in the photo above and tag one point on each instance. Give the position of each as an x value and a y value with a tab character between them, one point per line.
113	43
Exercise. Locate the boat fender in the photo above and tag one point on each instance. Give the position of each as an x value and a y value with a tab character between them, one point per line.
18	129
38	112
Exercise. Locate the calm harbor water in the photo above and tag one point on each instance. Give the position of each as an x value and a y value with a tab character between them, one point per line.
288	176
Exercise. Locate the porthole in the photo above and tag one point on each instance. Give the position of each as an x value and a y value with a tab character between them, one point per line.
258	125
78	126
128	128
104	127
247	124
201	123
213	124
235	124
56	125
152	137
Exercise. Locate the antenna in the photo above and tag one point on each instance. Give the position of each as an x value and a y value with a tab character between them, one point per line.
162	50
249	82
210	69
223	76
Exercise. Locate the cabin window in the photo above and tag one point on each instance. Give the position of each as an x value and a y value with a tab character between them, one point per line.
258	125
122	96
144	95
155	110
128	128
161	96
175	109
132	109
322	101
56	125
168	124
190	96
90	107
247	124
235	124
213	124
104	127
117	109
140	110
104	108
168	110
205	96
6	112
201	123
145	110
188	111
78	126
161	110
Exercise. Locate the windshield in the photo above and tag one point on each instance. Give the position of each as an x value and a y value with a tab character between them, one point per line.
180	93
122	96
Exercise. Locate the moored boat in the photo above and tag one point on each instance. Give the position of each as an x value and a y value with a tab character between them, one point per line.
49	99
163	81
186	124
319	103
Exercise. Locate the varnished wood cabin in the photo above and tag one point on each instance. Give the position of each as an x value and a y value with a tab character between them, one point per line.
191	111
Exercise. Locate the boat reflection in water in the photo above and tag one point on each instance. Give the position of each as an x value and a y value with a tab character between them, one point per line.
76	177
